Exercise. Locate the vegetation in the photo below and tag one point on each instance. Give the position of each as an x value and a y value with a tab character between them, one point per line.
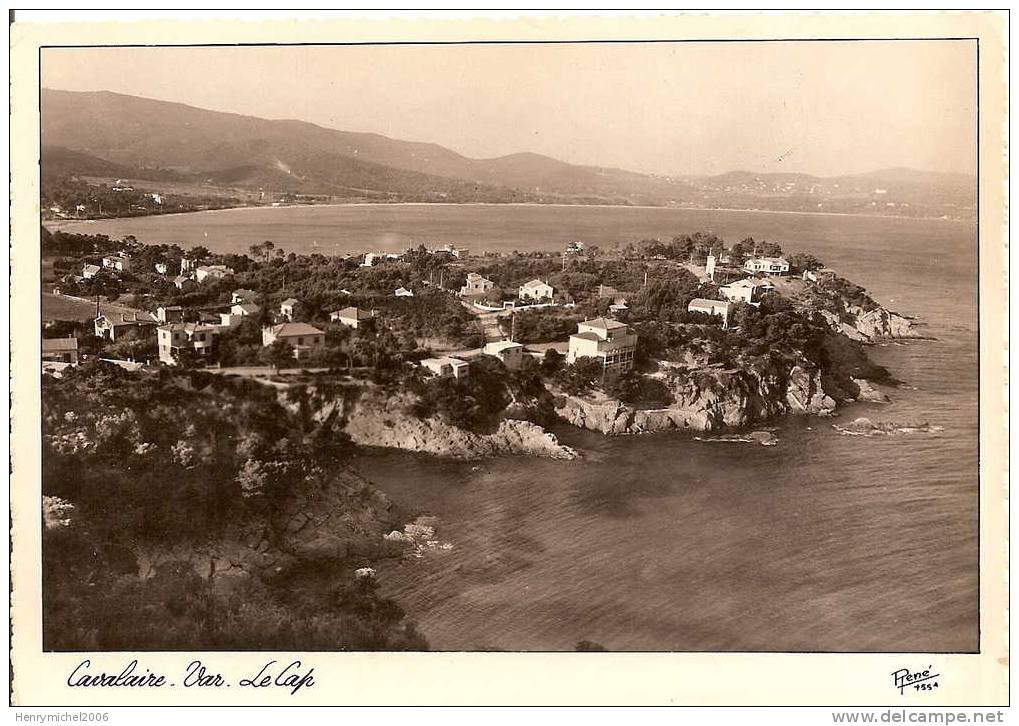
174	461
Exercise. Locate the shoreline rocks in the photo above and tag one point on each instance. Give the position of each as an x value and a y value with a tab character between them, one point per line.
374	421
726	401
863	426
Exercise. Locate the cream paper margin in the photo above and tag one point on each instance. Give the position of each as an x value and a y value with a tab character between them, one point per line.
516	678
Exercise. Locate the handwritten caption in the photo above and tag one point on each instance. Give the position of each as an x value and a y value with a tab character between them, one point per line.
292	676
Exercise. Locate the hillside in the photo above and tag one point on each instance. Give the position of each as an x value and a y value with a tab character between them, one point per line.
104	134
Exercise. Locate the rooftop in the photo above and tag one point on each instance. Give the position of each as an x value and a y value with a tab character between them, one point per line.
604	323
445	360
501	345
191	327
59	345
355	313
290	301
704	302
286	330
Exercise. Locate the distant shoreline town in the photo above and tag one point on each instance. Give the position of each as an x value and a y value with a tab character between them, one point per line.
58	219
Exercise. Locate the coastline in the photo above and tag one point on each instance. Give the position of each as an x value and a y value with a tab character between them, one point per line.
58	223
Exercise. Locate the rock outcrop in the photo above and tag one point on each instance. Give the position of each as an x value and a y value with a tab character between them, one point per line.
867	393
713	400
880	324
374	418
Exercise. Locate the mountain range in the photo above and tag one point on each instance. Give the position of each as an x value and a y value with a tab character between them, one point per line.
105	135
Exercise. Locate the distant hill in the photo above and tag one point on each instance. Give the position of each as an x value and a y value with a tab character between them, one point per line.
104	134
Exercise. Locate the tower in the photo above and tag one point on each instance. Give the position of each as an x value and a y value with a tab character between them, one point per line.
709	267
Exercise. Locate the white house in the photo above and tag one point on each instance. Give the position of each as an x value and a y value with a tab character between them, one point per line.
162	268
822	274
403	292
351	317
446	366
244	309
476	285
170	314
721	308
215	272
90	271
749	290
119	261
303	338
181	280
510	353
536	290
174	338
288	307
610	341
768	265
243	295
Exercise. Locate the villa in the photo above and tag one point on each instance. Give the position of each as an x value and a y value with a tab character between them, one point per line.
244	309
170	314
608	340
822	274
445	367
288	307
510	353
120	262
749	290
111	327
175	338
90	271
768	265
216	272
721	308
243	295
476	285
303	338
351	317
536	290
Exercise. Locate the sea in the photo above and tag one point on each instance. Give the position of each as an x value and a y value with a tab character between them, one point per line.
663	542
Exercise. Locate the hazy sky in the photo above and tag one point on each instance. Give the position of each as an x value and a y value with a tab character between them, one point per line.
683	108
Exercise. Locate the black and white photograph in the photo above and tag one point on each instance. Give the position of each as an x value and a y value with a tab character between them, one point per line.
665	346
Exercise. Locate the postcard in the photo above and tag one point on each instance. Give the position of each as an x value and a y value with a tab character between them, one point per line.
550	360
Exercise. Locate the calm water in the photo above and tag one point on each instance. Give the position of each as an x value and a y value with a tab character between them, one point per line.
824	542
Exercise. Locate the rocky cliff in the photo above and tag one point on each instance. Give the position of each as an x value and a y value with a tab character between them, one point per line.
708	401
872	325
371	416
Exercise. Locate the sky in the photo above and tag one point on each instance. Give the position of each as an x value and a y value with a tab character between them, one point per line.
825	108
